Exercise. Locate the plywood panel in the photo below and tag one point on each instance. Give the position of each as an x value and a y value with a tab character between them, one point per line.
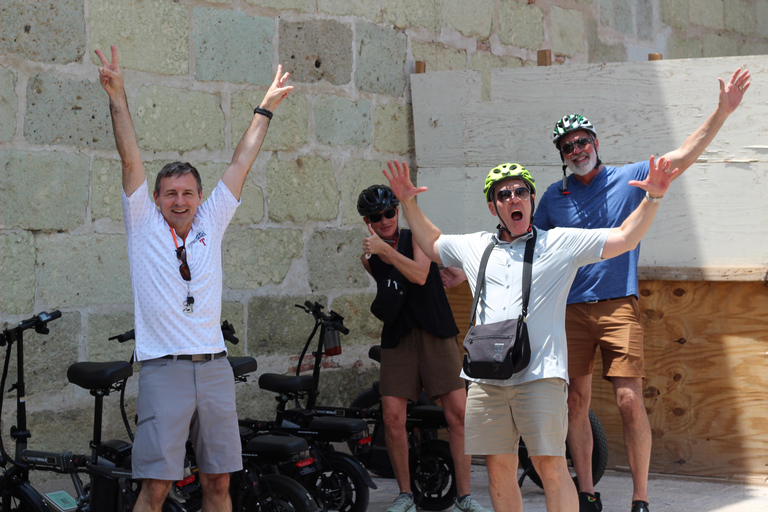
706	391
713	223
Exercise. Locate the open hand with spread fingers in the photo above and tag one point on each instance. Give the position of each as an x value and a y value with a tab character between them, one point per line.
659	177
400	181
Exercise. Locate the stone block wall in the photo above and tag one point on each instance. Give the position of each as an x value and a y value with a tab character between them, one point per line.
194	70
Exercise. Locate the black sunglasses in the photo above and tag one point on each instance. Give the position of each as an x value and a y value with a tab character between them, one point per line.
521	193
181	253
581	143
376	217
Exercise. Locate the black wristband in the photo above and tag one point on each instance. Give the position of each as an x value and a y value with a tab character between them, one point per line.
262	111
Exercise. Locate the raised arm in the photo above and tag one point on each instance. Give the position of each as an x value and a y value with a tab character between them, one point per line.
111	78
730	98
626	237
424	232
248	148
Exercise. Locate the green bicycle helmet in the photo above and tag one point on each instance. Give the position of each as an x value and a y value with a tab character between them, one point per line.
571	123
505	172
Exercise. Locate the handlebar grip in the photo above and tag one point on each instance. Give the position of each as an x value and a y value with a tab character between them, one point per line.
342	330
122	338
54	315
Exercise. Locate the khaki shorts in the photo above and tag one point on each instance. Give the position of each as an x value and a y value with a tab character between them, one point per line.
180	400
614	326
498	416
421	360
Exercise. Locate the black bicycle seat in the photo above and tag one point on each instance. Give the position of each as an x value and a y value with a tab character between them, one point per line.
375	353
276	445
91	375
286	383
427	412
242	365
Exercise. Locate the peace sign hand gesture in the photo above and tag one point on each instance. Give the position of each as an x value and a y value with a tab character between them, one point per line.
110	76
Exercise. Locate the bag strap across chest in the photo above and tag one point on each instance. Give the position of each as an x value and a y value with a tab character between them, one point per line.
527	271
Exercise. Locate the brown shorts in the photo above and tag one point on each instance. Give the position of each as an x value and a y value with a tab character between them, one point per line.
421	360
613	325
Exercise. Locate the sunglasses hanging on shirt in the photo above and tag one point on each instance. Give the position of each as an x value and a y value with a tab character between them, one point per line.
186	275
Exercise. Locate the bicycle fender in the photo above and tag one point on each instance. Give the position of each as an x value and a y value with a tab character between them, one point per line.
355	463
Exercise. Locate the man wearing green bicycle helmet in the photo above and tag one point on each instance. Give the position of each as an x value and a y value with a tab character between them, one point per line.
532	403
602	304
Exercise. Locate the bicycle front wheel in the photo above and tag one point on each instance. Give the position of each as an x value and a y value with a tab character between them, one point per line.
20	497
276	493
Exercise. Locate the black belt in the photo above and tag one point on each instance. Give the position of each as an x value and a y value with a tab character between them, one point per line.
605	300
197	357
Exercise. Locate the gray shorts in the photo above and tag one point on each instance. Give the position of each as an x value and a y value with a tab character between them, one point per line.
497	416
180	400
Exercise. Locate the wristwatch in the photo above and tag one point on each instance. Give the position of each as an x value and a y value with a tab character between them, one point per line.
652	199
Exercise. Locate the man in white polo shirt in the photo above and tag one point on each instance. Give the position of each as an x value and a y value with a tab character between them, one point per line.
532	403
186	387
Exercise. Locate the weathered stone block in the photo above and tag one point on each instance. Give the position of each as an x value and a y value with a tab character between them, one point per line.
393	130
741	17
233	47
56	430
674	13
439	57
301	190
48	356
101	327
67	112
356	177
368	9
17	273
234	313
567	31
761	6
484	62
169	119
644	20
606	12
288	128
333	257
253	402
475	21
682	48
316	50
623	20
707	13
714	45
83	270
50	31
364	328
521	25
8	104
341	122
107	189
338	388
380	64
413	13
297	5
150	36
44	190
255	258
599	52
277	327
753	48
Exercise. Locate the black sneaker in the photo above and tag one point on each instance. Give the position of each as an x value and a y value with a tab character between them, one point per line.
591	502
640	506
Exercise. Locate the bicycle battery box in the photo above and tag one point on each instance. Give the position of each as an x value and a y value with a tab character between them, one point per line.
113	453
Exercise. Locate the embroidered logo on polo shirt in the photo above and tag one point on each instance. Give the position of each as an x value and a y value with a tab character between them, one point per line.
200	237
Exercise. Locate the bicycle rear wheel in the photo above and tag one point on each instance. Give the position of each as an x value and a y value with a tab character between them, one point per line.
277	493
22	498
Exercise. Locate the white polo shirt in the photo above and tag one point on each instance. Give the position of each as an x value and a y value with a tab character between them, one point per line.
159	292
557	256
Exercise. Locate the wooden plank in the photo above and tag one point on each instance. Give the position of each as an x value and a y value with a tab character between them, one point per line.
714	216
706	350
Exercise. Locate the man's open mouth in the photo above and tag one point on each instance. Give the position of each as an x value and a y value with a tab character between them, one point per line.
517	215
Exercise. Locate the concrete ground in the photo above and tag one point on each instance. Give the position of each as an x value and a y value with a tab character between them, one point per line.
668	494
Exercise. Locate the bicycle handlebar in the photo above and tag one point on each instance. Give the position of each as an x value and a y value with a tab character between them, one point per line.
122	338
38	322
333	320
226	329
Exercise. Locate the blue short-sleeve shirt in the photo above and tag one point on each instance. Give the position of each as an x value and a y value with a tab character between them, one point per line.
604	203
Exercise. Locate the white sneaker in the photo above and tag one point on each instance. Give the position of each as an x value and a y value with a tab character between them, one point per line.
469	504
403	503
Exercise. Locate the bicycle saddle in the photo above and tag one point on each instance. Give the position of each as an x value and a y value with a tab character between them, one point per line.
91	375
375	353
286	383
242	365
